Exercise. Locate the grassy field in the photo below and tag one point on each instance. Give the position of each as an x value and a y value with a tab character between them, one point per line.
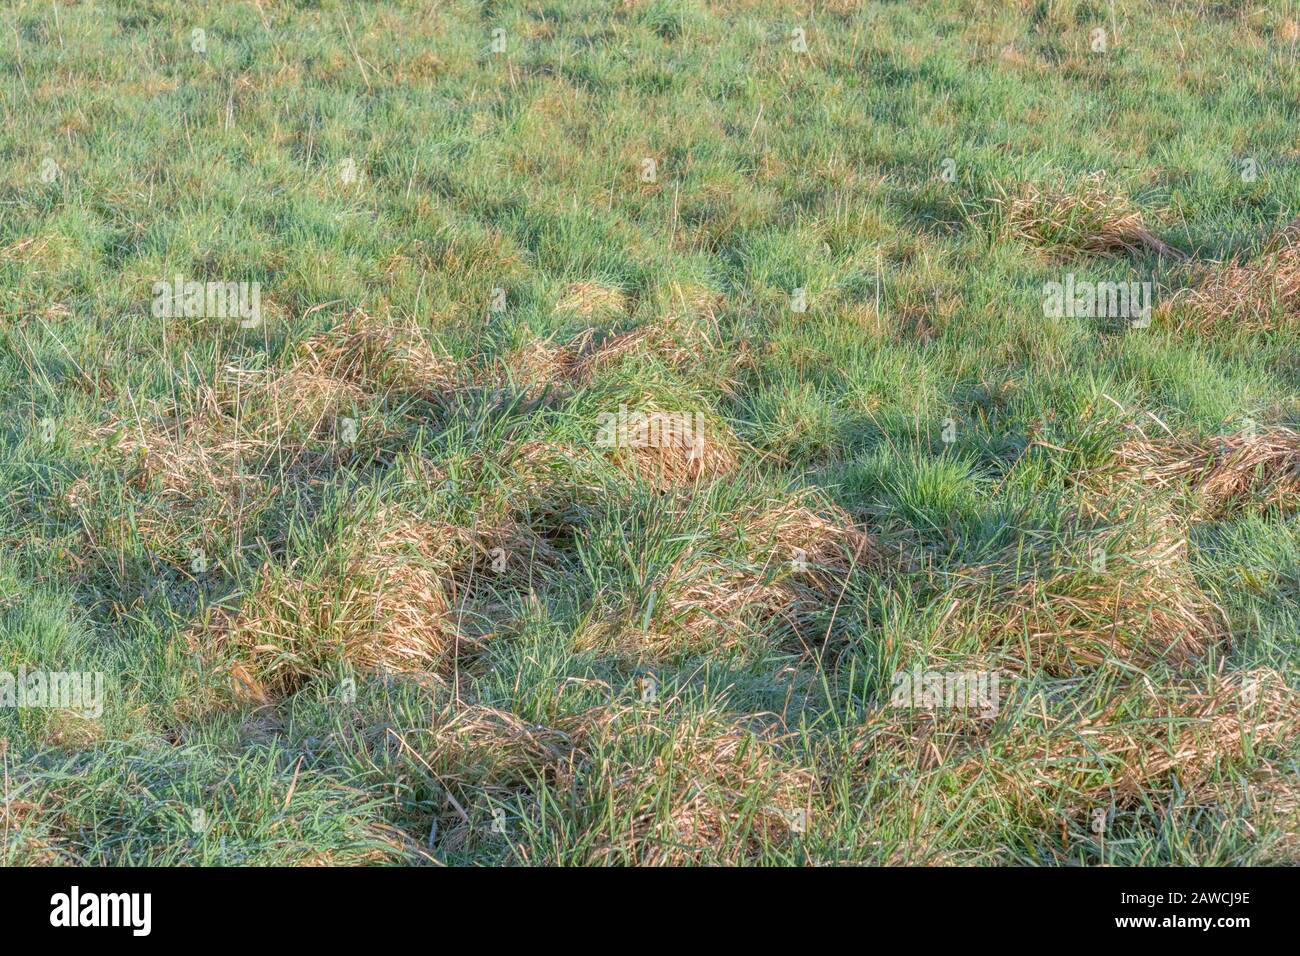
369	576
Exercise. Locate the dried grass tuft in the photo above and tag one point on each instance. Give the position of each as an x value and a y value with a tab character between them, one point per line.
1091	218
776	570
395	599
1224	474
702	790
1143	605
1259	296
252	421
378	356
475	748
1126	746
676	449
541	365
592	300
1145	738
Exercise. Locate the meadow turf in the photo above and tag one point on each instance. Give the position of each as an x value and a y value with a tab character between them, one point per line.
365	585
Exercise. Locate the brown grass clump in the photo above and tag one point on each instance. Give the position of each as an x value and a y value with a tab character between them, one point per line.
540	365
1091	218
669	449
188	455
1260	296
592	300
822	546
482	747
702	790
252	421
475	748
679	344
378	356
1223	474
648	792
775	570
475	751
1119	745
1131	599
346	371
392	599
1143	738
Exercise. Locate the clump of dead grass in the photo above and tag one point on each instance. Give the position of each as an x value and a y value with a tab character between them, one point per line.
540	366
821	544
777	570
393	598
699	790
645	791
378	356
592	300
1143	739
1091	218
198	451
1131	596
673	449
476	752
1120	746
230	434
1258	296
479	747
1223	474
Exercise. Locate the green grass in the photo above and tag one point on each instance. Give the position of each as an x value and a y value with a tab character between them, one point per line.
170	486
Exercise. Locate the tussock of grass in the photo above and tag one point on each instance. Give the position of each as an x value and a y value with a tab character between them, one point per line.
701	790
1144	738
476	747
688	451
1128	748
379	356
1223	474
1090	218
540	366
227	436
187	456
1259	296
633	787
675	343
1139	603
392	598
775	570
592	300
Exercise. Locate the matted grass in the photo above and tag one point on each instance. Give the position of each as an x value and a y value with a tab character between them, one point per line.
642	394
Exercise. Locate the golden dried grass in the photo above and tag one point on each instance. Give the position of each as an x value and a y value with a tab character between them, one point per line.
1258	296
1132	598
702	790
1091	218
1223	474
393	599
